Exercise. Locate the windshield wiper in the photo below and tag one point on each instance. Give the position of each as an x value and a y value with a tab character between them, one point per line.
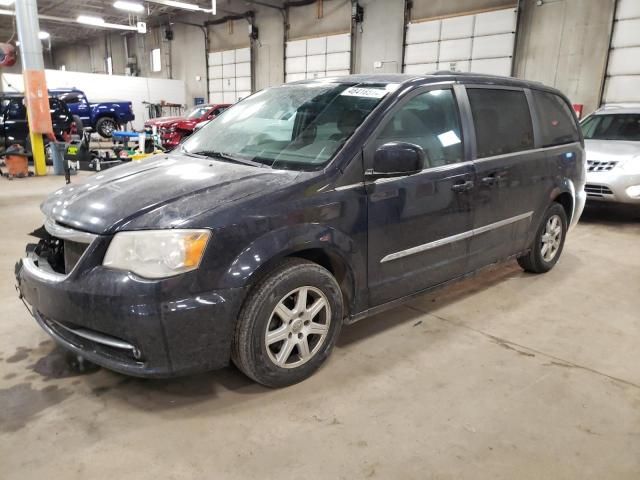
227	157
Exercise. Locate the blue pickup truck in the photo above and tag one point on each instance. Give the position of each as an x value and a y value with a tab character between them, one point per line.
103	117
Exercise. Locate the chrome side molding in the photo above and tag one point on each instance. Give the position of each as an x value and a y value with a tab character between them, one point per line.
455	238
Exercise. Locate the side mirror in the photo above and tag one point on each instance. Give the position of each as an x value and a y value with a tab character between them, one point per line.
396	159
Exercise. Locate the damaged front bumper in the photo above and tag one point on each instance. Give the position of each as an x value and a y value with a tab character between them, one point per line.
135	326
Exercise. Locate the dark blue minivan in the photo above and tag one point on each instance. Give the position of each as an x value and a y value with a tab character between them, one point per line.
302	208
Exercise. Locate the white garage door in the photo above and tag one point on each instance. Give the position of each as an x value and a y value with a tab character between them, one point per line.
623	71
318	57
479	43
229	75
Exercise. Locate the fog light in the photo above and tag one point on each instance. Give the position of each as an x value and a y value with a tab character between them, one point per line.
634	191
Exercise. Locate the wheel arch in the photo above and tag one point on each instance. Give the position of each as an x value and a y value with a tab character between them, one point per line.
327	247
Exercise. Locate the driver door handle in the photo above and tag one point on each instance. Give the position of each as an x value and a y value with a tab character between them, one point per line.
462	187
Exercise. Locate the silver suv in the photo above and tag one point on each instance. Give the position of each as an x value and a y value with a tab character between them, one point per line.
612	142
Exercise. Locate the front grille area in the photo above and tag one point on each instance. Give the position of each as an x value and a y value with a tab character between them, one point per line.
72	253
597	190
600	166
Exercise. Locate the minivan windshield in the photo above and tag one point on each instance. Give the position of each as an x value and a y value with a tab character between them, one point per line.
298	126
619	126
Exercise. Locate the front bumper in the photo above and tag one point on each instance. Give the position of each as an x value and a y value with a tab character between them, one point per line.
171	140
132	325
611	186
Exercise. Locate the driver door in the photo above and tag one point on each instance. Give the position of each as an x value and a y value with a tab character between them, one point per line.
420	224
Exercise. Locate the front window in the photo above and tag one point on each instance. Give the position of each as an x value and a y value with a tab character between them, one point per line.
292	127
197	112
619	126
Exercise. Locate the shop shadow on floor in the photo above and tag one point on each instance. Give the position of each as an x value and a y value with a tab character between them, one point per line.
610	214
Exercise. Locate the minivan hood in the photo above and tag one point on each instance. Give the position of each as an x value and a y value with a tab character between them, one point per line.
609	150
159	192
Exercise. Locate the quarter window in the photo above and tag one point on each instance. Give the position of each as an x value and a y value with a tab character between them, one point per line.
502	121
431	121
557	125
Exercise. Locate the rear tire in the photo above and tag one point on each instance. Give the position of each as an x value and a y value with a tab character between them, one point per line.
548	243
78	124
106	126
288	324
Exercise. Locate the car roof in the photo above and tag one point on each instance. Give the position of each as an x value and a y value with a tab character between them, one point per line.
612	108
427	78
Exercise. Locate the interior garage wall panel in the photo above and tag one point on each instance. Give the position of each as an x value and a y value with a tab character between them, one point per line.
424	32
457	27
461	42
304	21
493	46
318	57
229	75
623	69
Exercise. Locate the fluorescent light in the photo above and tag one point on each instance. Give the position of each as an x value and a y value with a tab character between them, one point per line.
186	6
89	20
129	6
183	5
6	3
43	35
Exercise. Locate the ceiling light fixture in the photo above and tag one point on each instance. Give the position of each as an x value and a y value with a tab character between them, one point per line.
89	20
186	6
129	6
42	35
82	21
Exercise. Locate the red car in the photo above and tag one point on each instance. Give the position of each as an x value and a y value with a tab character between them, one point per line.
173	129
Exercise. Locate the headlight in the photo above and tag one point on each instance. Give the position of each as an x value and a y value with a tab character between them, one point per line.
157	253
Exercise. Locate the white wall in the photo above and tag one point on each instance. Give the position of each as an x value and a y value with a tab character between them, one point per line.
100	87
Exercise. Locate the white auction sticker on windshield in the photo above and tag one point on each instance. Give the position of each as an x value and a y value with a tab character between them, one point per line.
364	92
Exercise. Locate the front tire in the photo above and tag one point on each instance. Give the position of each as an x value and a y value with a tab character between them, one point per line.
106	126
288	324
548	242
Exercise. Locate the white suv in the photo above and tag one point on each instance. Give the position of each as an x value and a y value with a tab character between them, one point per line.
612	143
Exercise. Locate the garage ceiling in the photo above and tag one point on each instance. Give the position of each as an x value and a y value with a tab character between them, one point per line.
62	33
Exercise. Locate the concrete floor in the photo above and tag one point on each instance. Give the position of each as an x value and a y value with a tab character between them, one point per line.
507	375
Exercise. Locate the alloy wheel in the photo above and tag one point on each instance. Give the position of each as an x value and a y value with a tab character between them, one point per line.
551	238
298	327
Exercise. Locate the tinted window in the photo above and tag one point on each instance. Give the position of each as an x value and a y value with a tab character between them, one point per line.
557	125
431	121
16	110
71	97
502	121
621	126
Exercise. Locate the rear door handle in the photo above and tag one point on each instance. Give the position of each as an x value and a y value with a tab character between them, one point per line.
462	187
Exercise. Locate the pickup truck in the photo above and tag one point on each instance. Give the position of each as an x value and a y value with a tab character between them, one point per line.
103	117
14	128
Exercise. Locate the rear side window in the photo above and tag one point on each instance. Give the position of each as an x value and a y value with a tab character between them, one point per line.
557	125
502	121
